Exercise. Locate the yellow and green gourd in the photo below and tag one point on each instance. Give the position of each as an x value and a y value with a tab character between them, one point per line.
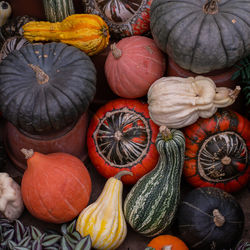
103	220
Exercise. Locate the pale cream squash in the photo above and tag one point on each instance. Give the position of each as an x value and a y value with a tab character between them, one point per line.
177	102
103	220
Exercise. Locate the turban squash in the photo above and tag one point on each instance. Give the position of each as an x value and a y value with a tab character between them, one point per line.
46	87
124	18
121	136
217	151
202	35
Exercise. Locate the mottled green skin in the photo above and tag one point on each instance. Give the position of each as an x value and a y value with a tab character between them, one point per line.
57	10
151	204
58	102
198	41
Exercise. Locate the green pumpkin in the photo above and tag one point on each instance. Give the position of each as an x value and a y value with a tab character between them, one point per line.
46	87
151	204
202	35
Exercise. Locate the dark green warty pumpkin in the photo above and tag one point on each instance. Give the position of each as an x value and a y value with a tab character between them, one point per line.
202	35
46	87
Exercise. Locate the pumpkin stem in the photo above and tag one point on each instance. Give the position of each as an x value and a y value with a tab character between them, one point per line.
235	92
28	153
165	133
211	7
117	53
226	160
169	247
219	219
41	76
119	175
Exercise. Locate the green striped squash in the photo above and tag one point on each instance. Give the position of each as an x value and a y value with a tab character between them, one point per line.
151	204
57	10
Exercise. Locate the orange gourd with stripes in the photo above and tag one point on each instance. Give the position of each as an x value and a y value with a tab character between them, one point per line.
87	32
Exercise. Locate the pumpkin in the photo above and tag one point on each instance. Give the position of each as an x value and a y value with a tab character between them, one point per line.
121	136
13	27
151	204
210	218
124	18
5	12
217	151
57	10
167	241
132	65
103	220
202	36
12	43
84	31
178	102
45	87
55	187
11	202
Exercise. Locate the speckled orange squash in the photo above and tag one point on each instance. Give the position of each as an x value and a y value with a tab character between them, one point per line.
217	151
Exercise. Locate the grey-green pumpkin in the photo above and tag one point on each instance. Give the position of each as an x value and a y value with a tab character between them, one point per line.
202	35
46	87
151	204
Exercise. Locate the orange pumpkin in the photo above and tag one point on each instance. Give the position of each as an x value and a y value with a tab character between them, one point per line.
55	187
167	240
132	65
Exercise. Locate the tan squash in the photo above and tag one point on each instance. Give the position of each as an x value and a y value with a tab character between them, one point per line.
177	102
87	32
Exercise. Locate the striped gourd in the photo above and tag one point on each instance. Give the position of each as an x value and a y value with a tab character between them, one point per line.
12	43
151	204
57	10
86	32
103	220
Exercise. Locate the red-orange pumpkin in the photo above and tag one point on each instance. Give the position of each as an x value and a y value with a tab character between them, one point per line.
55	187
217	151
121	136
132	65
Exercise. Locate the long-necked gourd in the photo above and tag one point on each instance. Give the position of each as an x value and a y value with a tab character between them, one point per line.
151	204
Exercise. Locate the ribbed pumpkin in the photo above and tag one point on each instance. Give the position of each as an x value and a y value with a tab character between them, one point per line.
121	136
124	18
84	31
12	43
217	151
46	87
151	204
57	10
103	220
55	187
132	65
209	218
202	35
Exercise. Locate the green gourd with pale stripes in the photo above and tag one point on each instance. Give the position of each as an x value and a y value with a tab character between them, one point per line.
151	204
57	10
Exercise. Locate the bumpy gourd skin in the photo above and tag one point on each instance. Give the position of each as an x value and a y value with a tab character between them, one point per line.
85	31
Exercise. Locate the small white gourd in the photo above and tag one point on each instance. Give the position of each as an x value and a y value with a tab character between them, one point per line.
177	102
104	220
11	203
5	12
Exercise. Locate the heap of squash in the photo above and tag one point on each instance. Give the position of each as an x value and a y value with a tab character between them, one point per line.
160	129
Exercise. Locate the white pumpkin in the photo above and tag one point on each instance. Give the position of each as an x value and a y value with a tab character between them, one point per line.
177	102
11	203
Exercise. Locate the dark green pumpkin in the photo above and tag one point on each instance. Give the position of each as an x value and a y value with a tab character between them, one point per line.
46	87
202	35
210	218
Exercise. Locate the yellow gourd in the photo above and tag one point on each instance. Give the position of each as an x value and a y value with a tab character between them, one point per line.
87	32
103	220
